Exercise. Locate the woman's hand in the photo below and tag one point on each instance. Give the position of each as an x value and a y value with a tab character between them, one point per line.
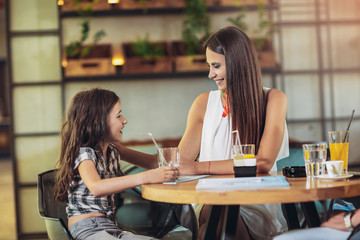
160	175
336	222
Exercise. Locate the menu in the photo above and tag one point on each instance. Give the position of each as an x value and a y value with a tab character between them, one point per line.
243	183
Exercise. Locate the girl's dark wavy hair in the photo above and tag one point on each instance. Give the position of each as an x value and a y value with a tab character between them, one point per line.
85	125
244	84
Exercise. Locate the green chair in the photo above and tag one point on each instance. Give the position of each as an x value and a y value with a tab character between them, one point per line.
52	211
295	157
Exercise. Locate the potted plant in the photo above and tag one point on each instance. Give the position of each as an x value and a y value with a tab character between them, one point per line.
87	58
261	36
143	56
188	53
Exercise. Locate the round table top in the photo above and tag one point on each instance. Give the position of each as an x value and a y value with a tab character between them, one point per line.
300	190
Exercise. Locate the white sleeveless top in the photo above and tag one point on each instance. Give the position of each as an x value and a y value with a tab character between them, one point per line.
216	133
264	221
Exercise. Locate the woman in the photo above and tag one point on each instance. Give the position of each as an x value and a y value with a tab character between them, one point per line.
89	173
240	103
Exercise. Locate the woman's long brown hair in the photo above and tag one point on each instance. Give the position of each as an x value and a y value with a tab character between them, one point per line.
84	126
243	80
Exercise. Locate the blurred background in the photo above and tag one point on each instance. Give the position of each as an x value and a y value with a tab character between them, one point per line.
311	52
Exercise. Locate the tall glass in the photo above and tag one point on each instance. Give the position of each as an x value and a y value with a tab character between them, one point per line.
339	147
244	160
314	157
248	150
169	156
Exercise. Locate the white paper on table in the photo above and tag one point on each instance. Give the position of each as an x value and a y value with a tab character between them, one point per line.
247	183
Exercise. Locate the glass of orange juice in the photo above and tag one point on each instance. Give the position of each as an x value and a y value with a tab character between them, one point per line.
339	147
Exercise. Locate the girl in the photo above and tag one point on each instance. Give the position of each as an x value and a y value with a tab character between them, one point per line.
240	103
89	169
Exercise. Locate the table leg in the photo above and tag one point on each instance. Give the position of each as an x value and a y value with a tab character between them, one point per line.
311	214
230	222
291	216
212	222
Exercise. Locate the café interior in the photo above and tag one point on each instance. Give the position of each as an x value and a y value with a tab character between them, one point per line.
314	58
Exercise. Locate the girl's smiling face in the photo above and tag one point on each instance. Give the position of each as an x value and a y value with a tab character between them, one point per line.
217	67
116	123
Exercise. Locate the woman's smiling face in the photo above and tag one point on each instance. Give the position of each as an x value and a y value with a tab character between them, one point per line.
217	69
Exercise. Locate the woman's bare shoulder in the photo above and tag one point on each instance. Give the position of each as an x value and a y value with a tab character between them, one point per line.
198	108
201	100
276	95
276	103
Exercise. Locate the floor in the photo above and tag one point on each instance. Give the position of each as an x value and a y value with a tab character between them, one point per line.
7	202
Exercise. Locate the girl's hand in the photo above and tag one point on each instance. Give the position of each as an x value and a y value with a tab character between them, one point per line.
160	175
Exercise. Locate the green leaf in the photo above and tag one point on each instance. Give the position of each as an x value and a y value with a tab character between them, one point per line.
75	48
143	48
196	26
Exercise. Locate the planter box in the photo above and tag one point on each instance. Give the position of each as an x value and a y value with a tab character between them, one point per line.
150	4
70	7
266	54
237	3
267	59
97	62
135	64
186	63
176	3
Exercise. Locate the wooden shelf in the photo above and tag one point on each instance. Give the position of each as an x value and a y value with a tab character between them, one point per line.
318	22
325	119
120	77
160	11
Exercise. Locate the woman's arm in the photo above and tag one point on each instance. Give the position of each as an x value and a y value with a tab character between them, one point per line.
143	160
191	141
103	187
273	135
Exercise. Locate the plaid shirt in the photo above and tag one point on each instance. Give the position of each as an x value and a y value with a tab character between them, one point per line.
80	199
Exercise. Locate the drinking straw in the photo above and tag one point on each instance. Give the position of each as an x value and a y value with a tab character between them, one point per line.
162	158
153	139
238	139
348	127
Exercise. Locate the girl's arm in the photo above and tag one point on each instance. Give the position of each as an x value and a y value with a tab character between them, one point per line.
143	160
273	132
103	187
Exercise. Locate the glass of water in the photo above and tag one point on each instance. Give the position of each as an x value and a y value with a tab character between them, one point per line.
315	157
169	157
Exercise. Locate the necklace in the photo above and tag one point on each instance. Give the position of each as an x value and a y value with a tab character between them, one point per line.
226	106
